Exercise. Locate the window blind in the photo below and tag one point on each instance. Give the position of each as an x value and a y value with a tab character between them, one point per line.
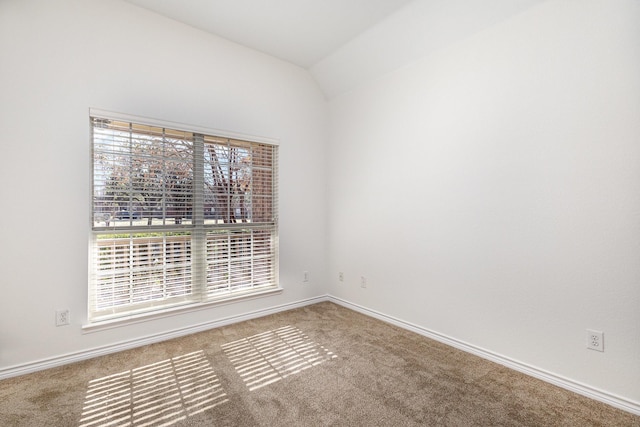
178	217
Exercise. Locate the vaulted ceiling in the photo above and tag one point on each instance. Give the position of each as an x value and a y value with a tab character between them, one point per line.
343	43
299	31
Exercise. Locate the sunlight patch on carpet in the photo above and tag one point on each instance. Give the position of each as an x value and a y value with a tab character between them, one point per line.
160	394
273	355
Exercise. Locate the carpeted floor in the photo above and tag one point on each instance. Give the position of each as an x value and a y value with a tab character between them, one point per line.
320	365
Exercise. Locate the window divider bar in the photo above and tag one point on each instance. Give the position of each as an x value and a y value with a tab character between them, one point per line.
199	237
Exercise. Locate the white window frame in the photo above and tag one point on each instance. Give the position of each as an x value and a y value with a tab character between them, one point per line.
200	231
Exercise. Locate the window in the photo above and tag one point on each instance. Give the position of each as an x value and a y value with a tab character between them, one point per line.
180	217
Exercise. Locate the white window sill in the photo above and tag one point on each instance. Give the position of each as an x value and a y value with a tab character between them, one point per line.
169	312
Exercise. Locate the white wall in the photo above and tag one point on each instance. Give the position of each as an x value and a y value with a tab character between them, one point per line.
60	58
414	31
490	192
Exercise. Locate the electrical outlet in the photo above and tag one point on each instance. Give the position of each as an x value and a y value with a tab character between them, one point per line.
363	282
595	340
306	276
341	276
63	317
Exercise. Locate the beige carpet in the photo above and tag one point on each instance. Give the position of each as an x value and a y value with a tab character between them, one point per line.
320	365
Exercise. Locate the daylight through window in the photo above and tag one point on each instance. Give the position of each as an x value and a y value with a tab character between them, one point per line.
179	217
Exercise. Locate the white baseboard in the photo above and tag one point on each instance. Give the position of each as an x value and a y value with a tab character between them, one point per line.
568	384
27	368
574	386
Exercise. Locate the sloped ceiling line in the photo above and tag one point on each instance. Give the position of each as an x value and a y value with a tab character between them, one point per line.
343	43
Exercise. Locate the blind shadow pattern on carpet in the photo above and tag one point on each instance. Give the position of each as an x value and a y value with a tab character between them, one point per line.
273	355
167	392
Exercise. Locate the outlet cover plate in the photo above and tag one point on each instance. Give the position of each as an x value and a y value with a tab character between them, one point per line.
63	317
595	340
